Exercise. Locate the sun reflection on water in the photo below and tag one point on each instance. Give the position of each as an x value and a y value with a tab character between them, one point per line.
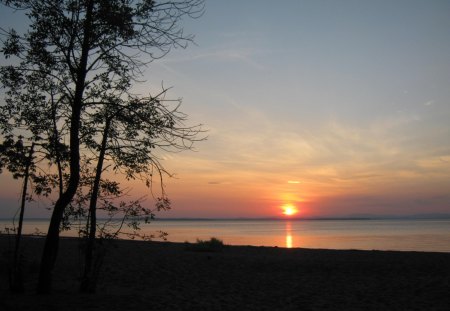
289	239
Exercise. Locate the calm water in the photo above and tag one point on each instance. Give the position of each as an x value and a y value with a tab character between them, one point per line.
416	235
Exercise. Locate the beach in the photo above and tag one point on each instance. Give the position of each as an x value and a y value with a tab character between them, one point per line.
138	275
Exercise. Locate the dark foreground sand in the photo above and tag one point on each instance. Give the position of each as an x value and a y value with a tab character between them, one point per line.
166	276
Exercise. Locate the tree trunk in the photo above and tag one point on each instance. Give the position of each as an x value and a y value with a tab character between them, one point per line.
57	147
52	240
88	282
16	284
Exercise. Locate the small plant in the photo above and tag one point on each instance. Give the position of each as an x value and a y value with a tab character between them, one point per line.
211	245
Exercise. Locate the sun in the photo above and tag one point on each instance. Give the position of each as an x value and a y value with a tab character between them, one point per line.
289	210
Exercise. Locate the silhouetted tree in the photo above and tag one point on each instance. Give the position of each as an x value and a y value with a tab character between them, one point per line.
18	159
128	132
78	59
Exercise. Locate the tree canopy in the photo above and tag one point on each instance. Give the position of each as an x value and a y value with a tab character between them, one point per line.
69	92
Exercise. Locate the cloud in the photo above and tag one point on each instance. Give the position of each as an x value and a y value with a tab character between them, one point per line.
265	157
230	55
219	54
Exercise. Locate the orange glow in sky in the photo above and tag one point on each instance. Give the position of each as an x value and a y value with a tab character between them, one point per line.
289	210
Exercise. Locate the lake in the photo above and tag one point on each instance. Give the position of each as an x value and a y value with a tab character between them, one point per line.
385	234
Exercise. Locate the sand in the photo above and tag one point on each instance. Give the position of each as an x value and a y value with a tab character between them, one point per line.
168	276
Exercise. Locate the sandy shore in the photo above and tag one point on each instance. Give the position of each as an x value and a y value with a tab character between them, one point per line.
167	276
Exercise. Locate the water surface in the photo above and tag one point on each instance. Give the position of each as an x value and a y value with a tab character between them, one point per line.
386	234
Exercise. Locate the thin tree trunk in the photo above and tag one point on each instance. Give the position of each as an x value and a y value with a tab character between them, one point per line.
17	280
52	240
88	283
57	148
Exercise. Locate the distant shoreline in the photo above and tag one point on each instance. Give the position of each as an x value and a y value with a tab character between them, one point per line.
369	217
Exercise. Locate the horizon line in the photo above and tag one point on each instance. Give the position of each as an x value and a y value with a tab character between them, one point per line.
349	217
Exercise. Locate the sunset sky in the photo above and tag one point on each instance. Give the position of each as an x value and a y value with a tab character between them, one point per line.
336	108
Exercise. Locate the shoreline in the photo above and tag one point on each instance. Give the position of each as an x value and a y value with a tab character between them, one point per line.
140	275
137	240
178	244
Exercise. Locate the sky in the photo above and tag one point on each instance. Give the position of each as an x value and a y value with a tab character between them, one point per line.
334	108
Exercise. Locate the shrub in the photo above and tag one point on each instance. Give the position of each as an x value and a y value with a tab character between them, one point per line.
211	245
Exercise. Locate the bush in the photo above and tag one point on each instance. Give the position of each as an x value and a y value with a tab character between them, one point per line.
211	245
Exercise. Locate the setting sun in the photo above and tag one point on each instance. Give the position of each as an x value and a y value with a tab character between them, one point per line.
289	210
